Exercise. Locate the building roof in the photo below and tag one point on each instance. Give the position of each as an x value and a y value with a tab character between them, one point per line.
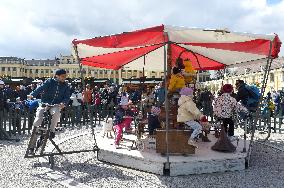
255	66
11	59
45	62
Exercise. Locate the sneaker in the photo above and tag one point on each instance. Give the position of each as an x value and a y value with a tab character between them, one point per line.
116	146
52	135
192	142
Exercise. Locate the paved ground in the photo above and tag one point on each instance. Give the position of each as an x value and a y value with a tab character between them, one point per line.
266	169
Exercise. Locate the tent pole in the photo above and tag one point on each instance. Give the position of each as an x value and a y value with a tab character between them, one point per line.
84	89
167	164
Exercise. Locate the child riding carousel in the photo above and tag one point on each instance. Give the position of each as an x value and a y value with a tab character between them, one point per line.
123	119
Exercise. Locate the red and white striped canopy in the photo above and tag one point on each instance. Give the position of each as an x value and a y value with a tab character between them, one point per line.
207	49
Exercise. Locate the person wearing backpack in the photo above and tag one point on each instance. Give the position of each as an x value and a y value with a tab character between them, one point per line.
248	95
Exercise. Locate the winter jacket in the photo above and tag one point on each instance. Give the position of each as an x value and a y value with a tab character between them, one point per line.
120	113
160	95
3	100
97	99
225	106
153	123
176	82
243	94
87	96
53	92
187	110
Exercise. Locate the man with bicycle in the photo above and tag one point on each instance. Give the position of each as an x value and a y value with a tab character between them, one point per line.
56	93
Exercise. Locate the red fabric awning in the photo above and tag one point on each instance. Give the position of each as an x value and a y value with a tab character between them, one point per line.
214	49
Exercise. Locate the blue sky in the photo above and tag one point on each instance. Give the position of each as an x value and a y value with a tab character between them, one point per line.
271	2
45	28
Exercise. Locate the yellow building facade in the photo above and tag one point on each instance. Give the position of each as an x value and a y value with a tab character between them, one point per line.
253	74
18	67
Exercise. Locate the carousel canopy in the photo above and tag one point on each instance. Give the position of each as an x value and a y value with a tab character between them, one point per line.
206	48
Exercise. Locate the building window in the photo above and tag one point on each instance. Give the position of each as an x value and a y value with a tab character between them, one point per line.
46	71
253	79
271	77
26	71
31	71
36	71
42	71
9	69
101	72
3	68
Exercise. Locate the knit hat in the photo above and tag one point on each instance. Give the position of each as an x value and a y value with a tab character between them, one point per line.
227	88
60	72
1	82
123	100
155	110
186	91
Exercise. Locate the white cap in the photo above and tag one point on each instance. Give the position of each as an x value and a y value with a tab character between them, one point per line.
1	82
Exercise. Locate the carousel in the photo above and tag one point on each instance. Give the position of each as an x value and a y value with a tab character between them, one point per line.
179	53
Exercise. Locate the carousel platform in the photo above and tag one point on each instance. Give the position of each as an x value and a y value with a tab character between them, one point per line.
205	160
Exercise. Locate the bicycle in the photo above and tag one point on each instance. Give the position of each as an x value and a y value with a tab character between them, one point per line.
44	131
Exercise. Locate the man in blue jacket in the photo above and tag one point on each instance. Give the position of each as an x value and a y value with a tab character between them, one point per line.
53	91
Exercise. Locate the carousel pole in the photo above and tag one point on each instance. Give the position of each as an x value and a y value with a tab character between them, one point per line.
257	115
166	44
264	83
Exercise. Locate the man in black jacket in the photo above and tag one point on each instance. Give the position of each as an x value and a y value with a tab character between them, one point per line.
54	91
3	96
243	93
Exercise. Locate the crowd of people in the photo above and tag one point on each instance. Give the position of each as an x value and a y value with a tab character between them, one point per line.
192	104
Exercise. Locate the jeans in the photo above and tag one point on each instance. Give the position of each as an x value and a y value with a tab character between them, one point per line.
54	111
196	128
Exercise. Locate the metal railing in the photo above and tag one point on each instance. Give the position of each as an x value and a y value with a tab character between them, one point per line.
13	122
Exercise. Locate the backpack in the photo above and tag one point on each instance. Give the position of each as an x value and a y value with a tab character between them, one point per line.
254	95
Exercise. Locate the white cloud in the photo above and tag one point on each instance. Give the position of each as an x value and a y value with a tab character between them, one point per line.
45	28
